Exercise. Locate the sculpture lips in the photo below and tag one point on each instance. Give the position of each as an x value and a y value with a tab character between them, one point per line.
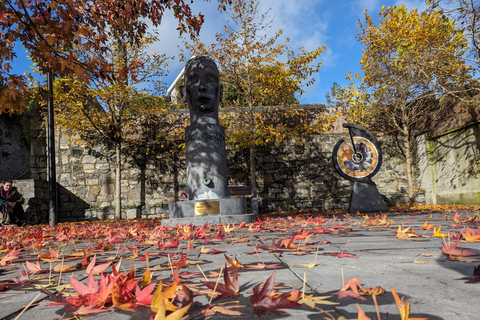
204	100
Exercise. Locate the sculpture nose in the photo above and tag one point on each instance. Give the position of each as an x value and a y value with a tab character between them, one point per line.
202	85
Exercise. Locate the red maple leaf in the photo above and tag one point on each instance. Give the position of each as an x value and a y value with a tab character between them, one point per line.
475	278
263	301
172	245
340	255
234	263
227	290
96	270
452	250
144	297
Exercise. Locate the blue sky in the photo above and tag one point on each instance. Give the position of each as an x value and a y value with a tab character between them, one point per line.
308	23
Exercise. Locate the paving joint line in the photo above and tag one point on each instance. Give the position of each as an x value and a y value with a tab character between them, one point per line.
306	283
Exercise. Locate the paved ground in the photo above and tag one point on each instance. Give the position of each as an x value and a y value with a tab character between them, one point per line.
326	251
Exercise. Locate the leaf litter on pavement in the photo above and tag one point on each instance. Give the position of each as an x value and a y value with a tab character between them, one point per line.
79	265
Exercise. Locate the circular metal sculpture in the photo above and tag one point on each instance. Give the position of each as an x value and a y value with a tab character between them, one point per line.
359	163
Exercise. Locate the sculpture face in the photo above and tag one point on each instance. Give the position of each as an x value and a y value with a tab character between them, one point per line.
202	89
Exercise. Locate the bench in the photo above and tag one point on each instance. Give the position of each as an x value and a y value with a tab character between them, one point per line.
236	191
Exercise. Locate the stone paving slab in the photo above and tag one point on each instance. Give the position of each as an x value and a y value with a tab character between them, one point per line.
381	260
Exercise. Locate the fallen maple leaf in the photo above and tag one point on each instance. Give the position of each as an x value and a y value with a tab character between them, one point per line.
437	233
340	255
62	268
260	265
308	265
405	233
134	256
427	226
404	308
144	296
312	301
162	298
35	268
89	310
234	263
51	256
22	278
176	315
227	290
475	278
452	250
11	255
470	236
353	285
263	301
96	270
361	314
213	308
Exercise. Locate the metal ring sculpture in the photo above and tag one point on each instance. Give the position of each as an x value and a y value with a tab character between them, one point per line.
361	162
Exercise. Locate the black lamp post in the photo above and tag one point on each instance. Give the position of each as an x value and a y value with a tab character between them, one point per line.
52	177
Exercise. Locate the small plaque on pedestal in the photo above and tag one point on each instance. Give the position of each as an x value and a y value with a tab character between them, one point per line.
207	207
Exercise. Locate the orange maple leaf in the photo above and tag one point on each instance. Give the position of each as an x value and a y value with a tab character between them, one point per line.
404	308
427	226
470	236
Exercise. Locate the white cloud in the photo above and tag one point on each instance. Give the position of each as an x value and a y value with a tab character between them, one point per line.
361	5
420	5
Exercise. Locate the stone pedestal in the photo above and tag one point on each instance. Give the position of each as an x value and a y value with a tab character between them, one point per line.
208	200
199	212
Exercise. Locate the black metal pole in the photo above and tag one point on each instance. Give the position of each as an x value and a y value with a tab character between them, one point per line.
52	177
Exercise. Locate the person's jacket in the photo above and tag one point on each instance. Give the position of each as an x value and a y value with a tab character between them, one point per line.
15	196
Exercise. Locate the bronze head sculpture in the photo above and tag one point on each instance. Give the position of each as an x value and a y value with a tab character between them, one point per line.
202	90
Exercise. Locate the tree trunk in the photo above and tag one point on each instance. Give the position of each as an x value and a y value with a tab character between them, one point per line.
253	168
118	186
408	155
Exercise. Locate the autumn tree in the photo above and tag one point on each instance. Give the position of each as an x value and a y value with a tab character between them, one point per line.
409	59
335	96
254	68
115	112
467	15
53	31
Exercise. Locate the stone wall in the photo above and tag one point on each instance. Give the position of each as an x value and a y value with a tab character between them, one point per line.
14	148
449	166
300	175
296	174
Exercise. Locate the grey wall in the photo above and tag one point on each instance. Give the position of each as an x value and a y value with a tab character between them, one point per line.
292	175
449	166
14	148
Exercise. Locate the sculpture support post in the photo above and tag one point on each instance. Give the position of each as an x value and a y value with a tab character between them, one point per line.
52	179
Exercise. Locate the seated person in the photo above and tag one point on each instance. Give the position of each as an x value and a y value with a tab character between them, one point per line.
11	204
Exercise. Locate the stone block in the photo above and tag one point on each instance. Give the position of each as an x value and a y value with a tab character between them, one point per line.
91	182
64	177
89	159
94	190
131	213
100	166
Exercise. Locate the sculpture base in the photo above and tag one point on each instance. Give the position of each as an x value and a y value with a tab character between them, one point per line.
200	212
366	198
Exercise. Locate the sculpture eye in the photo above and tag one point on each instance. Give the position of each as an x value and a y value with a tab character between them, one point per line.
211	79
